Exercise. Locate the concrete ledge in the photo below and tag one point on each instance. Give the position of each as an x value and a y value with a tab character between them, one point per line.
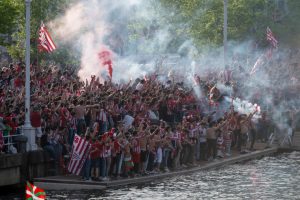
295	148
10	160
9	176
71	181
211	165
68	180
36	157
65	186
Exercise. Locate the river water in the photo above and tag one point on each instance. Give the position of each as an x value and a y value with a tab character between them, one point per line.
268	178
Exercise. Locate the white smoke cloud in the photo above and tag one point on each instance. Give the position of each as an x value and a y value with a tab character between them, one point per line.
93	25
84	25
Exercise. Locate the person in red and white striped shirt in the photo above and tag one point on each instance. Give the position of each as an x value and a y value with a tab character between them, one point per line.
136	153
103	154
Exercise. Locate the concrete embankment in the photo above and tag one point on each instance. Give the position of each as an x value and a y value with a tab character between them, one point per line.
17	168
73	182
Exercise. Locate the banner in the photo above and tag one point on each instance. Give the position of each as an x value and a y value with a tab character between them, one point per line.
80	150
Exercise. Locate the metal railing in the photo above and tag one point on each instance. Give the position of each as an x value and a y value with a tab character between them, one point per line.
8	139
283	137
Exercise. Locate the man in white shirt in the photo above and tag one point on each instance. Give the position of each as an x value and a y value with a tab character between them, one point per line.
127	121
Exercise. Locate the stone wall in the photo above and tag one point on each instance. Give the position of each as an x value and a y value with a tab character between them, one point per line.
18	168
10	166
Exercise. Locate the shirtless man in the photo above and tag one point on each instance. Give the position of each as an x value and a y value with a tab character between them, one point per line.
151	150
80	111
246	126
144	137
212	139
79	114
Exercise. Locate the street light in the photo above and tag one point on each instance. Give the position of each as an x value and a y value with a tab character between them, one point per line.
27	128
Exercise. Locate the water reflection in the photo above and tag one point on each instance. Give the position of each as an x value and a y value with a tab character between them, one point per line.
268	178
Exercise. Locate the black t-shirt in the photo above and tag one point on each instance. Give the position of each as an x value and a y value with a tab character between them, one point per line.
44	140
163	111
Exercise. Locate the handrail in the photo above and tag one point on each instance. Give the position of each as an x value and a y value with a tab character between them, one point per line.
10	136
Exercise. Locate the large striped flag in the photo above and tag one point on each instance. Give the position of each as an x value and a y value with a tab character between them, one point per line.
271	38
45	41
80	151
34	193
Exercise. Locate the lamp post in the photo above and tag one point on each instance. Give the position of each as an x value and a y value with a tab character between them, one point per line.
27	129
225	33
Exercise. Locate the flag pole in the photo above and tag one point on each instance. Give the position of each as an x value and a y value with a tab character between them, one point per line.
27	62
225	33
37	44
37	50
27	128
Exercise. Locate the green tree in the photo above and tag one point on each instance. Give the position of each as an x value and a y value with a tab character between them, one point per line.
203	19
10	12
41	10
286	26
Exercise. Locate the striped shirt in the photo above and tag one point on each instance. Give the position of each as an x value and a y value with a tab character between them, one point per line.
136	146
102	116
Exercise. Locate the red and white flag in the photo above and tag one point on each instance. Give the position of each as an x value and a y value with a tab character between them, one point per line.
80	151
45	41
34	193
271	38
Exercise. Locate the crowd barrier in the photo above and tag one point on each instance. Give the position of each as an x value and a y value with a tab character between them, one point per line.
12	142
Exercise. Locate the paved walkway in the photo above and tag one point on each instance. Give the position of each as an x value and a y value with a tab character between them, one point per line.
71	182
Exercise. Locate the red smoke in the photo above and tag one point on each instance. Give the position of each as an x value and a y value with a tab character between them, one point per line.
105	57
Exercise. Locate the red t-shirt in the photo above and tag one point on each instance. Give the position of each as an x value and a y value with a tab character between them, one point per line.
18	68
36	120
18	82
63	116
117	146
42	82
102	150
172	104
95	150
10	123
14	127
182	136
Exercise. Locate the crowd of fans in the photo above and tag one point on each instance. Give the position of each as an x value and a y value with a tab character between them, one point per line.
142	127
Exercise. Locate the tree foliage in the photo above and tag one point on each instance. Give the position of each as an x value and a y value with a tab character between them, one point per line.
246	19
10	12
199	20
13	24
205	18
